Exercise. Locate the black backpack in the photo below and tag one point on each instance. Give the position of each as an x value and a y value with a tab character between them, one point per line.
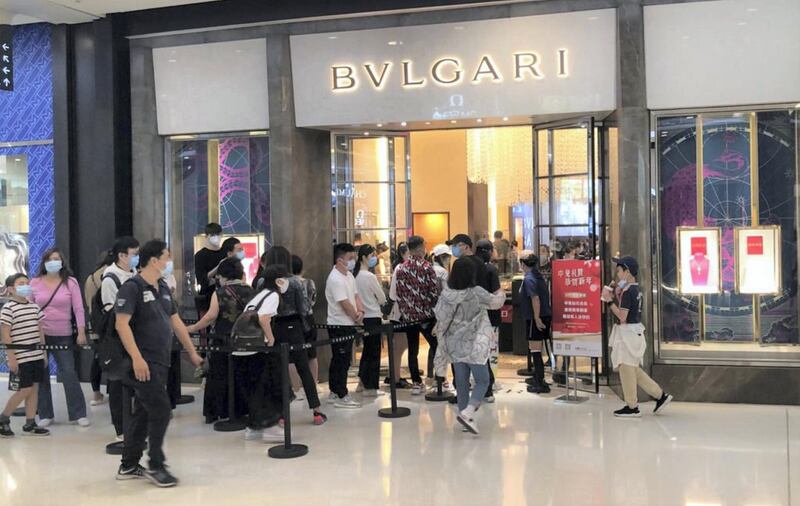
114	359
247	331
98	316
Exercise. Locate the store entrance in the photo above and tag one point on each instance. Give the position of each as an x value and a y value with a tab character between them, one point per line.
541	187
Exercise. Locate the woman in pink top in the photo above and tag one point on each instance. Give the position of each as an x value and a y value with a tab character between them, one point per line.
59	296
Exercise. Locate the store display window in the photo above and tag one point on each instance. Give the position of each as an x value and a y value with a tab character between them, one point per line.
733	175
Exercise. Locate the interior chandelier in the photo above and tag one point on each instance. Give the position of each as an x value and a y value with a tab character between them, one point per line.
502	158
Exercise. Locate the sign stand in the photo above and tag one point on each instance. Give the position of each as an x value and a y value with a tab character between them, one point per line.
574	398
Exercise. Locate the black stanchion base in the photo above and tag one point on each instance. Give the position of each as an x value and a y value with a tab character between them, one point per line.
437	397
185	399
525	372
229	425
396	413
115	448
287	452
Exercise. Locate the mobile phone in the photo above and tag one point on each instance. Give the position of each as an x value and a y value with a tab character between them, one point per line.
13	382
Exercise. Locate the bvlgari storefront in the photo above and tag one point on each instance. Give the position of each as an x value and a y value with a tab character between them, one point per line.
599	117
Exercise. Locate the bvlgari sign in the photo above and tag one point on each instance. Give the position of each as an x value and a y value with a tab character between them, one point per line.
536	65
447	71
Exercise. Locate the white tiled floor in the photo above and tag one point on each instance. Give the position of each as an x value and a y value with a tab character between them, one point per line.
530	452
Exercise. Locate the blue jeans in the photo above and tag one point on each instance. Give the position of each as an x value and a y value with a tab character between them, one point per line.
481	374
65	360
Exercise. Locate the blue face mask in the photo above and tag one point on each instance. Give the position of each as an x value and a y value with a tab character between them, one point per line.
24	291
372	262
168	269
240	255
351	265
134	261
456	251
53	266
622	283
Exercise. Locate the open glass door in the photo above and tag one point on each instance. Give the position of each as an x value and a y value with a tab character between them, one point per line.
370	189
568	197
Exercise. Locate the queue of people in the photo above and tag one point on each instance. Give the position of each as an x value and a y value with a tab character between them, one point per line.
451	297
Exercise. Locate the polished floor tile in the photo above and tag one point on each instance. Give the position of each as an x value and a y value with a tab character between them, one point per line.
531	451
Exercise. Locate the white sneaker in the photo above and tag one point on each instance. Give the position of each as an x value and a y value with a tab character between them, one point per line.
447	386
45	422
467	419
100	399
252	434
120	438
300	395
332	398
369	392
417	389
83	422
497	387
489	399
347	402
273	434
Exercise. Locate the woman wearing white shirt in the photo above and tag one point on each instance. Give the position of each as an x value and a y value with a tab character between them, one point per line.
373	298
441	263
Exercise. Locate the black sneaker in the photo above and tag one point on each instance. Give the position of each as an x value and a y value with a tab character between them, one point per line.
161	477
628	412
34	430
662	403
5	430
453	399
403	384
130	473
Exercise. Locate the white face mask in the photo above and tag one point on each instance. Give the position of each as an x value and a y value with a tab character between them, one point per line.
622	283
215	240
351	265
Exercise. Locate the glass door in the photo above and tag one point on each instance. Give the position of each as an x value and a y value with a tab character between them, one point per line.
370	189
568	196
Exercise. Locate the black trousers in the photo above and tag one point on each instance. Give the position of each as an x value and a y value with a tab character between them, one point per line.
261	378
412	333
114	389
96	375
151	411
370	365
290	330
215	396
341	356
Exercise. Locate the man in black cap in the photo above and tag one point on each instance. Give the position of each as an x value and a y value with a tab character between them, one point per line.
627	340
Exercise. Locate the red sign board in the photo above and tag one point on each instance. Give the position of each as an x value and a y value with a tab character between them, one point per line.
576	296
755	245
699	245
507	313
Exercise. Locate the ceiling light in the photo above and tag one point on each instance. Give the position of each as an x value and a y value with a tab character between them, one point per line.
380	125
741	23
752	9
479	120
428	122
453	121
366	133
403	123
505	118
393	43
332	37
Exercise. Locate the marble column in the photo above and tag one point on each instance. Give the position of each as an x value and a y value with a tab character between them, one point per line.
634	176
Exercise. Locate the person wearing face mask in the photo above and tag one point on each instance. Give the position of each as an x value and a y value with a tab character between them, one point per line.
441	264
146	318
231	248
373	297
535	309
288	328
125	260
204	261
627	341
346	309
59	296
20	323
400	341
483	250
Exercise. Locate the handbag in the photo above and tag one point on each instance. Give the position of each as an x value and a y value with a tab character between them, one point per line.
247	331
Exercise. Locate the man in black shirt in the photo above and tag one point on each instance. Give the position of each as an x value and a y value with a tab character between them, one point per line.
146	317
206	260
628	342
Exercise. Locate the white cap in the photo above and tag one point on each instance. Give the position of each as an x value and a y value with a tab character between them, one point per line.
441	249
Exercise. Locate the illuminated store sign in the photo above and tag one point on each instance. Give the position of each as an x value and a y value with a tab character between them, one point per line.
447	71
519	66
758	259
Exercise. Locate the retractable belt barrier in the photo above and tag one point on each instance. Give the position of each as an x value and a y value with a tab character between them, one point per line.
287	449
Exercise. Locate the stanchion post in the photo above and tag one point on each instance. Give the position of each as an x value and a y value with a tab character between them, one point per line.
287	450
394	411
232	424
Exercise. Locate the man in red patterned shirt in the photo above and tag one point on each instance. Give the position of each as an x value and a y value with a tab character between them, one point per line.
417	293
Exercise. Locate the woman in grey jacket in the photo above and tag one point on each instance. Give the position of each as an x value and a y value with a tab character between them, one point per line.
464	331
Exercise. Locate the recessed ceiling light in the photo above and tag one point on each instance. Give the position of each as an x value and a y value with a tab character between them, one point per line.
741	23
366	133
505	118
452	121
380	125
479	120
392	42
428	122
403	123
332	37
752	9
